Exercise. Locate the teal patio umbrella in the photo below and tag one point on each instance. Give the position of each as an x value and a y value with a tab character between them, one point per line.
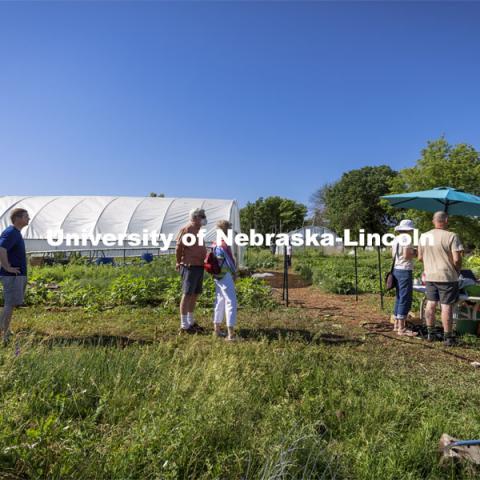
447	199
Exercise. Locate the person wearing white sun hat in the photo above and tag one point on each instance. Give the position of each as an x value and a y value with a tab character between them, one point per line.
403	254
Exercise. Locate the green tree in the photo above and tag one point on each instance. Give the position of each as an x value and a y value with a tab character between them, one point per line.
272	215
442	165
353	201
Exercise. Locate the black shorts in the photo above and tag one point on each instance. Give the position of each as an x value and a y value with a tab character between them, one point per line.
192	279
444	292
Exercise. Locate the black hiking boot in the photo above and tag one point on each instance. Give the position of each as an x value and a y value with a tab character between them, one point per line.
450	341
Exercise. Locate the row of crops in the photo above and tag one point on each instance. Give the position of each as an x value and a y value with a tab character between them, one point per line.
336	274
139	284
158	284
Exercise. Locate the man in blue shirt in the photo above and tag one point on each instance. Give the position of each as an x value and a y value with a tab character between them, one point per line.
13	271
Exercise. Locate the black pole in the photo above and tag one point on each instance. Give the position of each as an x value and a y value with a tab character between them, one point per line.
356	274
285	275
380	283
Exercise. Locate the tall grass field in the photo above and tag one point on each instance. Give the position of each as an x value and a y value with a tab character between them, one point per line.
114	392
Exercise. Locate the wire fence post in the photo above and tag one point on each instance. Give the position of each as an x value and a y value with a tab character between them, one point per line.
380	281
356	273
285	276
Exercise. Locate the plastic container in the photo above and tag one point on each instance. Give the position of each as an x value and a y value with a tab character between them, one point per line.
104	261
147	257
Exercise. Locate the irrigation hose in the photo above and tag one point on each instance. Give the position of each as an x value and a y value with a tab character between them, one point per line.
380	329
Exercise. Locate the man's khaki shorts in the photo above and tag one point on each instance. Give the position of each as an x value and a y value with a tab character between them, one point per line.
13	289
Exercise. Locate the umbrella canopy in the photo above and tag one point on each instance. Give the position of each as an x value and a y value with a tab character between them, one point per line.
450	200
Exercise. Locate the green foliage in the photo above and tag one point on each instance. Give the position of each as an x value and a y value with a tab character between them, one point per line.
97	287
353	201
305	271
272	215
129	290
473	263
442	165
73	294
259	258
336	274
254	292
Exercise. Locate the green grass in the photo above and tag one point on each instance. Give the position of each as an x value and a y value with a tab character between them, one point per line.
115	393
284	403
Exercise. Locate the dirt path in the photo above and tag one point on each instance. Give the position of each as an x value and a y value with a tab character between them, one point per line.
314	302
351	315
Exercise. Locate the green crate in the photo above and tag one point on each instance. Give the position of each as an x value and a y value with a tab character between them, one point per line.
467	326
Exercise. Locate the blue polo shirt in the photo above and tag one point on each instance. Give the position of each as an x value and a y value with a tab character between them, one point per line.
12	241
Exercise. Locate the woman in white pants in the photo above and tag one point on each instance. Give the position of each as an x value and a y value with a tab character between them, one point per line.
225	295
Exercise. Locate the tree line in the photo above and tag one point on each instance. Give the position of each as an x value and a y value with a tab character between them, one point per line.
354	201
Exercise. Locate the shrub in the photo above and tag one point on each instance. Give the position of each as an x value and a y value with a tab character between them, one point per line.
254	293
261	258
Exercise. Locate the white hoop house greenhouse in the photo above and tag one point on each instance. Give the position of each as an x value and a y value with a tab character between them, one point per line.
119	216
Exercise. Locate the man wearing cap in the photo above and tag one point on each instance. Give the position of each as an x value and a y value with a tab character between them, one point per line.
441	254
13	271
403	255
190	261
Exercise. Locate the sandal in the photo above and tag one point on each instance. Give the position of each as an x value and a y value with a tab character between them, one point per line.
406	333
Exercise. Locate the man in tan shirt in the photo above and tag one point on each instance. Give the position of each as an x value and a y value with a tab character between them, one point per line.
190	259
441	254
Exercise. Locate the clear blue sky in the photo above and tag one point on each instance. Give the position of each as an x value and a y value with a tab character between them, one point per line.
229	100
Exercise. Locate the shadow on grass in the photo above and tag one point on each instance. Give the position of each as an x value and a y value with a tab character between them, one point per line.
301	305
302	335
116	341
252	334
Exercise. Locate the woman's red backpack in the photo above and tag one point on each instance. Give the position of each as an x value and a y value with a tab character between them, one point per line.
211	264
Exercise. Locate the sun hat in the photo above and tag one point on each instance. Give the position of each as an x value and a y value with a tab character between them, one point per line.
405	226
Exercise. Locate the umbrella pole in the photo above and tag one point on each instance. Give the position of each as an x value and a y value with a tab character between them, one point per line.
356	274
380	276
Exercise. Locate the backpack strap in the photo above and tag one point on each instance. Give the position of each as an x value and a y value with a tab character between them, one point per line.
394	259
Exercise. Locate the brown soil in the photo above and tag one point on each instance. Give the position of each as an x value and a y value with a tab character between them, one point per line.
314	302
363	319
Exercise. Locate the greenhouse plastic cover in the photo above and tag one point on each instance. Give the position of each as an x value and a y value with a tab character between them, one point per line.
114	215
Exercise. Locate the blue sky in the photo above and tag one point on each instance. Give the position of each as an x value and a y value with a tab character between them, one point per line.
228	100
